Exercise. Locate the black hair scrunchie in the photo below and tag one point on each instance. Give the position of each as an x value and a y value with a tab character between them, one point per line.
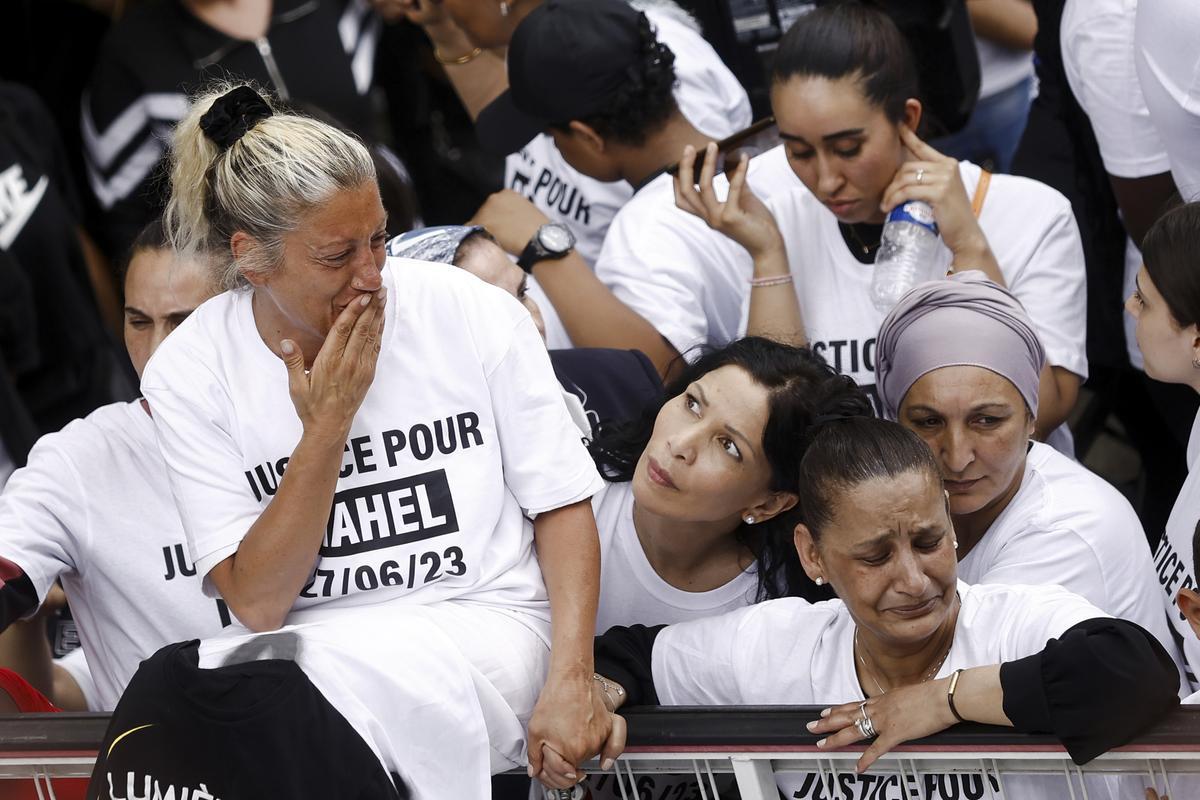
232	114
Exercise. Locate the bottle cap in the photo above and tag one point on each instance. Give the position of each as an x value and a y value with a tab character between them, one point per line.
916	212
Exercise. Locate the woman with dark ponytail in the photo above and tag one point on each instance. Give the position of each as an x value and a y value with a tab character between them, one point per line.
845	96
907	649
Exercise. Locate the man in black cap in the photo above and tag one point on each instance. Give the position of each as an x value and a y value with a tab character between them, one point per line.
593	75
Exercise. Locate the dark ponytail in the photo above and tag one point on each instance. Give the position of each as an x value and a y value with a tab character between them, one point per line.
844	453
1170	254
849	39
801	388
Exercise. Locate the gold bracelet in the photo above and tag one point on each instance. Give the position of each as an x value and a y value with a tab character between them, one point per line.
950	694
471	56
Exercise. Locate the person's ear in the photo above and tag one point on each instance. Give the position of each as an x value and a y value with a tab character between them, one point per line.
771	506
912	113
1189	605
241	245
587	135
1193	330
810	556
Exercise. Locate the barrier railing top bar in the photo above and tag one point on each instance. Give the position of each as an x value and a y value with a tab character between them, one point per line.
674	727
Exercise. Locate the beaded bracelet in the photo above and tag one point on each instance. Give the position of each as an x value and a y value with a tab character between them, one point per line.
777	280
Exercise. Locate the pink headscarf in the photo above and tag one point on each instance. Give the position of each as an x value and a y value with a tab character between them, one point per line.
965	320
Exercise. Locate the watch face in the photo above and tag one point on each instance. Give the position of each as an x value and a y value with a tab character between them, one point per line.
556	238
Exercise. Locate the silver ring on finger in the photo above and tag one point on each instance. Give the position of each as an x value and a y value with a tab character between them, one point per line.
920	174
864	724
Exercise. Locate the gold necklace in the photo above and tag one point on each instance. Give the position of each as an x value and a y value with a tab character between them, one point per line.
866	248
871	673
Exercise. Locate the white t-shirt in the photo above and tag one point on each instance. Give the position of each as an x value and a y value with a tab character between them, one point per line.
462	434
687	280
1097	48
709	96
631	592
93	508
691	282
1173	559
75	664
1067	526
1168	69
789	652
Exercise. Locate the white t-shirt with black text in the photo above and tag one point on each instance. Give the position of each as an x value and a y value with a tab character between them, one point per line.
93	508
789	652
1173	563
461	438
708	95
1066	526
691	282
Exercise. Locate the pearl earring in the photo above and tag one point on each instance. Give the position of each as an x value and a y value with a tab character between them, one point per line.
749	520
956	544
819	581
503	8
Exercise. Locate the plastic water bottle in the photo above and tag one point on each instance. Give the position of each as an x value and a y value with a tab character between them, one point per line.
909	253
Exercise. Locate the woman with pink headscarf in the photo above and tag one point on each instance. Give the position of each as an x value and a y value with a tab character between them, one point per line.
959	363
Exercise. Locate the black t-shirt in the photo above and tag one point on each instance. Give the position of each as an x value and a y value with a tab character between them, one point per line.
239	732
315	53
613	385
65	370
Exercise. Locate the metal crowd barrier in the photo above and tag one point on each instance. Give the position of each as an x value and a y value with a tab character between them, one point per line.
737	751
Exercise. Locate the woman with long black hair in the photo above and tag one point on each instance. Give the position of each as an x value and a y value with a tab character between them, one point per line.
695	519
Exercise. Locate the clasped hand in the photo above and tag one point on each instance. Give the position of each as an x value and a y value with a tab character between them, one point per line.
570	724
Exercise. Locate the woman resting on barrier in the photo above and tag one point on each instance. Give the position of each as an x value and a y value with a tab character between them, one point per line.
357	451
908	650
957	362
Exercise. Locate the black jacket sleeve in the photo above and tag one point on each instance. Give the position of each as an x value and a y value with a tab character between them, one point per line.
623	654
1099	685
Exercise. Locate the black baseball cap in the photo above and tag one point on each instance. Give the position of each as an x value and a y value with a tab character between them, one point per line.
564	61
